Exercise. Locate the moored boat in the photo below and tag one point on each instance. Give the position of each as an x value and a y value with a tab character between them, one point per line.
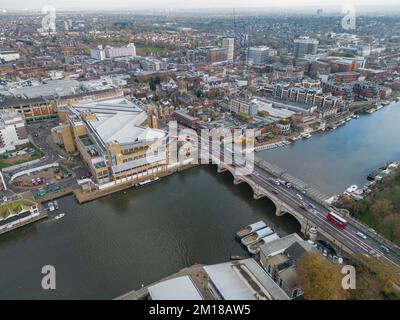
255	247
56	205
59	216
254	237
146	182
50	206
250	229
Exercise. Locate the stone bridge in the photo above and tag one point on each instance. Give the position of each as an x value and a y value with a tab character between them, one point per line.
259	192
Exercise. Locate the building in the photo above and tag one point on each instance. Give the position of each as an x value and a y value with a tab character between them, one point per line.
241	106
345	91
9	55
366	90
62	135
216	55
229	45
283	127
98	53
234	280
113	140
185	118
44	101
279	258
152	64
304	46
288	72
179	288
258	55
17	210
344	77
109	52
12	130
242	280
118	52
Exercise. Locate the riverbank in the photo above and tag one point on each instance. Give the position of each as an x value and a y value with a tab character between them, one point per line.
102	249
83	196
380	208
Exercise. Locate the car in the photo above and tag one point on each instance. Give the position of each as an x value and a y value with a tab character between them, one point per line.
386	249
299	196
277	183
302	207
312	206
288	185
361	235
274	191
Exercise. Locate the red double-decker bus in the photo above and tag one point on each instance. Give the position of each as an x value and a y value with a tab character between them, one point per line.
336	220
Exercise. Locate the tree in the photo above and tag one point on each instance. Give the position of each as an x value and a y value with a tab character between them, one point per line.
375	280
391	227
381	208
319	278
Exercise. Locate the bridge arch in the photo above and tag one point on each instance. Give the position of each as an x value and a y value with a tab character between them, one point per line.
302	223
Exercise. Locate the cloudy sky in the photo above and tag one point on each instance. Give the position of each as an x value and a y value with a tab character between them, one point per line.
175	4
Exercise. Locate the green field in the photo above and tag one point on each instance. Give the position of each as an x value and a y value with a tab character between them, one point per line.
146	50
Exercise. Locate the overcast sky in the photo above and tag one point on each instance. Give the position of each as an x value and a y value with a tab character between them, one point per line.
175	4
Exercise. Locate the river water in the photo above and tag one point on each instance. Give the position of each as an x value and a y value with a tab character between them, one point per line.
107	247
333	161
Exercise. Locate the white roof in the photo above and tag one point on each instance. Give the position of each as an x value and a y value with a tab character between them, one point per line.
120	120
181	288
274	112
229	280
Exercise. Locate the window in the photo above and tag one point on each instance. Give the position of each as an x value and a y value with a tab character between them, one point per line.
295	293
281	283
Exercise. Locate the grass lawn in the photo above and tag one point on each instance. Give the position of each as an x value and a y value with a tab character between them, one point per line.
145	50
4	163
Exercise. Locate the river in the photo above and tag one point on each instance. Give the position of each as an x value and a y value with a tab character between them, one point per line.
332	161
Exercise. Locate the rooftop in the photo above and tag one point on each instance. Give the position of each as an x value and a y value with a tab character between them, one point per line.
244	280
119	120
180	288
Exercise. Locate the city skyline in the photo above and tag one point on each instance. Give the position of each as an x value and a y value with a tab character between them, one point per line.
180	4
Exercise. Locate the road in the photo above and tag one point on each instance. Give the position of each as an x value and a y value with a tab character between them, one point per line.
369	247
348	237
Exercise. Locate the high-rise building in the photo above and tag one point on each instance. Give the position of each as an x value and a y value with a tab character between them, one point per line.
305	45
229	45
258	55
98	53
113	52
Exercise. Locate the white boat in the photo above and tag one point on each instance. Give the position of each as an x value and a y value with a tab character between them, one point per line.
59	216
307	136
50	206
255	236
250	229
145	182
255	247
56	204
352	188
